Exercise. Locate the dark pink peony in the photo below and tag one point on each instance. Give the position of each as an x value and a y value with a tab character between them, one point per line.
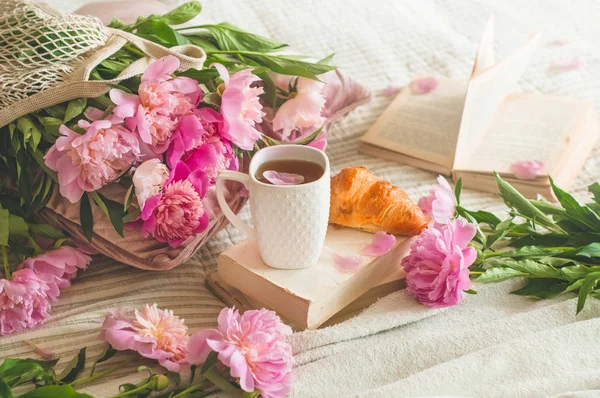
437	268
177	212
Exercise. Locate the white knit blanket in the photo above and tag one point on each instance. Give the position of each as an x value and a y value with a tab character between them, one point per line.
494	344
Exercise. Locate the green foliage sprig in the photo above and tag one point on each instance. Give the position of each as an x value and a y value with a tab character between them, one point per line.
555	247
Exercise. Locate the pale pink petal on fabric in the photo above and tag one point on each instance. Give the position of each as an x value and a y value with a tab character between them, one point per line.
566	65
346	263
280	178
527	169
424	85
392	90
380	245
43	352
561	42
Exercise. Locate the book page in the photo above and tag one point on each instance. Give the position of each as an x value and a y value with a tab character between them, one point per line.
485	92
422	126
528	127
485	58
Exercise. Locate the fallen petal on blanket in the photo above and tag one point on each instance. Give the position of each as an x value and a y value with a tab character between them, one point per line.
424	85
566	65
346	263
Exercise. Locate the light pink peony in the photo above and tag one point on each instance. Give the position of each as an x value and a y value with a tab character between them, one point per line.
527	169
85	163
302	110
437	268
440	203
162	99
177	212
253	346
24	302
57	267
241	107
152	332
198	143
149	179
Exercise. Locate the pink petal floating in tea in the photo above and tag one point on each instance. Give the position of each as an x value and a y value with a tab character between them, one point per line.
565	65
424	85
526	169
392	90
346	263
381	244
277	178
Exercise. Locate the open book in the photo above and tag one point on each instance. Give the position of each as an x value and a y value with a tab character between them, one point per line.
470	129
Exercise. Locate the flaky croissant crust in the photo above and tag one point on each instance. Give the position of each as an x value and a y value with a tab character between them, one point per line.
363	201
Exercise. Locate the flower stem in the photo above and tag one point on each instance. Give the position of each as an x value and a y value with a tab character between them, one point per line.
218	380
98	375
492	254
34	244
5	261
475	273
203	384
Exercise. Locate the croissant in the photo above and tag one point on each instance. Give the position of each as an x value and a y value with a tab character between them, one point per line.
361	200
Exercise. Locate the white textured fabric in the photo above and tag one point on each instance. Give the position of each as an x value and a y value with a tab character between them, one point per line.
494	344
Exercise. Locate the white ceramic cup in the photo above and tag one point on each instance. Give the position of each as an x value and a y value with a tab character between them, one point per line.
290	221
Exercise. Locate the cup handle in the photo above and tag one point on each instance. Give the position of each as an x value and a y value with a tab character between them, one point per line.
233	218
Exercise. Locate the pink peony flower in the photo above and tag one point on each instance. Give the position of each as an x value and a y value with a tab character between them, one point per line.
57	267
24	302
437	268
440	202
253	346
149	179
85	163
198	143
152	332
177	212
302	109
527	169
161	101
241	107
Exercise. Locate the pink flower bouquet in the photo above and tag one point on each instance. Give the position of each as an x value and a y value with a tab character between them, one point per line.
130	168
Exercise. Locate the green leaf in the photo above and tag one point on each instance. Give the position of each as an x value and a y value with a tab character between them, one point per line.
204	43
270	94
532	239
587	287
86	218
515	200
46	231
499	274
574	286
584	239
75	108
16	372
470	291
201	76
162	31
287	65
5	390
113	210
31	134
535	251
193	369
128	198
500	231
483	217
4	226
590	251
542	288
104	356
327	60
117	24
575	272
65	391
73	368
530	267
595	190
578	213
181	14
211	361
229	37
548	208
458	190
18	228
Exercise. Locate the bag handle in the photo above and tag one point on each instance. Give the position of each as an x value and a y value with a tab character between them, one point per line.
190	56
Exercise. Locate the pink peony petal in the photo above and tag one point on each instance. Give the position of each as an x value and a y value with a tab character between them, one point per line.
277	178
381	244
565	65
43	352
392	90
424	85
527	169
346	263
